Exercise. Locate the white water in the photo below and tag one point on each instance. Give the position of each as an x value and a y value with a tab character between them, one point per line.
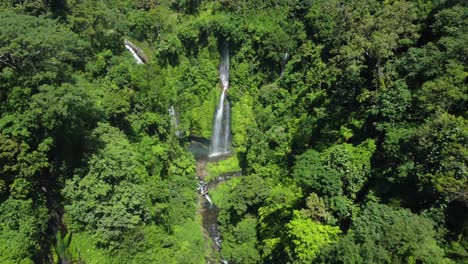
227	125
221	137
224	67
174	121
284	62
208	199
135	55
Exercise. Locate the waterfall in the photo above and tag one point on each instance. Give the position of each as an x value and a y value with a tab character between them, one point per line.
221	137
137	53
174	121
284	61
227	126
137	59
224	67
208	199
218	140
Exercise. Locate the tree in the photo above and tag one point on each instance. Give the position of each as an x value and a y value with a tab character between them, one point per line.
316	209
246	197
276	212
307	238
352	164
363	30
341	169
106	198
37	51
312	173
440	158
22	227
240	244
382	234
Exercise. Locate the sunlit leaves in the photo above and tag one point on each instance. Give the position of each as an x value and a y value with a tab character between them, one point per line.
381	234
22	224
38	50
107	200
309	237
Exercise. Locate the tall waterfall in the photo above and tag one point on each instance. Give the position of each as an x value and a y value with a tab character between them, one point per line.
221	137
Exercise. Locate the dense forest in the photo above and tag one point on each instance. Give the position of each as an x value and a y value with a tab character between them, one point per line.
348	125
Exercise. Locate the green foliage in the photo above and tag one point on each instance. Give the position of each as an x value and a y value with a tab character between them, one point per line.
386	235
440	158
61	249
226	166
218	194
22	227
240	243
447	93
242	119
247	195
182	246
190	241
200	124
352	164
392	103
336	105
371	27
113	179
313	175
37	50
273	215
315	209
83	247
308	238
342	169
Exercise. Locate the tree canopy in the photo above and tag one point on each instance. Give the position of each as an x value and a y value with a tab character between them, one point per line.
348	122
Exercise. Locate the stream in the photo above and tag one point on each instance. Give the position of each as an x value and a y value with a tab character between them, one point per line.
209	211
218	149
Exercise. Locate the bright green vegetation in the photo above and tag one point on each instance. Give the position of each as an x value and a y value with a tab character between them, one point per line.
218	194
352	150
226	166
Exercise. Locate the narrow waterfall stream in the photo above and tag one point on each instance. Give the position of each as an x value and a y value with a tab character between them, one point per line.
135	56
221	137
284	61
137	53
174	121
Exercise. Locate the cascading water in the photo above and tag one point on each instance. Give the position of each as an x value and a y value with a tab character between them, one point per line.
137	53
284	61
137	59
227	126
221	137
209	210
219	147
174	121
